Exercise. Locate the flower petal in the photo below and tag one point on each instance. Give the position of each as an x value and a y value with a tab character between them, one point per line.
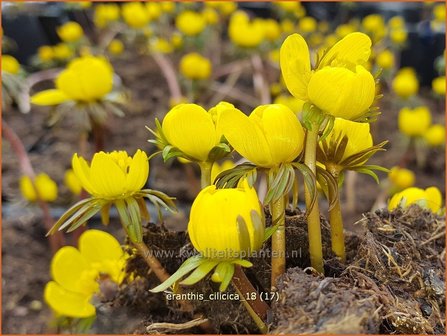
434	198
246	137
295	65
353	49
82	171
107	178
49	97
67	267
138	171
67	303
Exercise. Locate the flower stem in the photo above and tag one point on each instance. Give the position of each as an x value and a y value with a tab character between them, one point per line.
336	222
313	219
56	240
278	241
205	174
256	308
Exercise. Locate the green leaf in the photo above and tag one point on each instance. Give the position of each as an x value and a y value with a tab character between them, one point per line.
218	152
329	185
225	271
231	177
200	272
242	262
135	218
281	184
309	181
93	210
69	213
368	172
270	231
78	214
185	268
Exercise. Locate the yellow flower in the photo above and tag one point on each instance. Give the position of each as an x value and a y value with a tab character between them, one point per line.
112	175
245	33
271	135
195	66
289	6
45	186
70	32
219	168
295	104
340	85
10	64
45	53
105	13
307	25
414	122
226	224
405	84
439	13
116	47
398	36
192	129
287	26
430	198
401	178
358	139
210	15
177	40
224	7
385	59
76	272
62	52
272	31
374	25
167	6
162	46
438	85
135	14
435	135
153	10
190	23
86	79
72	182
396	22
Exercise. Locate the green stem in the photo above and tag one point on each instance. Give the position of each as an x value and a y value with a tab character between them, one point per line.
205	174
278	241
336	222
313	219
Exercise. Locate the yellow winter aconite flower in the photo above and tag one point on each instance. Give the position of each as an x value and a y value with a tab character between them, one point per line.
10	64
439	13
195	66
167	6
135	14
430	198
374	25
62	52
414	122
385	60
112	175
219	168
438	85
45	186
45	53
398	36
245	33
401	178
271	135
192	129
72	182
70	32
339	85
396	22
226	224
405	84
86	79
224	7
307	25
287	26
435	135
190	23
154	10
344	29
272	31
106	13
210	15
295	104
116	47
162	46
75	273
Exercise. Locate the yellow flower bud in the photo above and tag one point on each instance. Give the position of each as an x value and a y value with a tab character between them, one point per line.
62	52
226	224
190	23
405	84
176	40
307	25
210	15
135	14
86	79
162	46
439	13
435	135
414	122
70	32
396	22
224	7
398	36
271	135
340	86
45	53
45	186
401	178
191	129
167	6
72	182
10	64
289	6
112	175
430	198
438	85
195	66
245	33
287	26
219	168
272	31
295	104
153	10
116	47
385	60
105	13
373	23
